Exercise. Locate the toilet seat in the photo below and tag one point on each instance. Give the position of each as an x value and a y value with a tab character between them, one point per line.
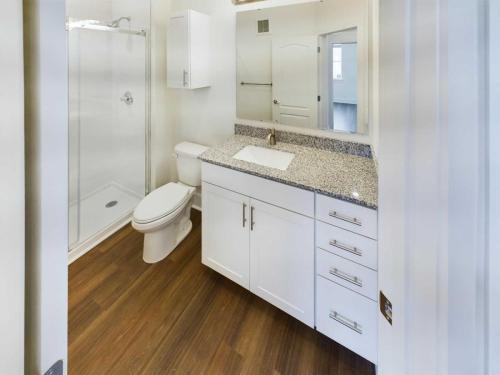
163	204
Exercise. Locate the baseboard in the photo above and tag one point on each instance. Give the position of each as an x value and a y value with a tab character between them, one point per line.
96	239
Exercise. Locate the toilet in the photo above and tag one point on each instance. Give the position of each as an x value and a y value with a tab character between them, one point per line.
164	215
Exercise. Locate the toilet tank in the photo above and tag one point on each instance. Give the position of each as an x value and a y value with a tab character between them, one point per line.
188	164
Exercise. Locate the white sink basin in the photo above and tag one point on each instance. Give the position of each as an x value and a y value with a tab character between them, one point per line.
265	157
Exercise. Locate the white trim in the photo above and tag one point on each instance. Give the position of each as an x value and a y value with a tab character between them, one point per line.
493	326
96	239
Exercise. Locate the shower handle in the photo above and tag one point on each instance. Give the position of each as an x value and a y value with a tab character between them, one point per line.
127	98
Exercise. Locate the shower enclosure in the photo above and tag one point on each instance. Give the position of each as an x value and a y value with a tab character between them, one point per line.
109	122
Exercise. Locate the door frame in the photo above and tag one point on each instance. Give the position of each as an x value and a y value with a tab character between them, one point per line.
46	80
12	189
493	256
326	91
432	193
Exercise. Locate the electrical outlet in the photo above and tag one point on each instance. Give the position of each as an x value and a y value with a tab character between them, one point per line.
385	307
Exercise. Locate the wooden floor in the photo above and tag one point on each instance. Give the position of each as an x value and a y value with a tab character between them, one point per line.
178	316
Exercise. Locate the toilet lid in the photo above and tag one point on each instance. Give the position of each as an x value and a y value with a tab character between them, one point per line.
161	202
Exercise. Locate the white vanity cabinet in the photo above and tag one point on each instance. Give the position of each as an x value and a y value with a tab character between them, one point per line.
346	267
262	247
282	259
188	50
226	246
310	255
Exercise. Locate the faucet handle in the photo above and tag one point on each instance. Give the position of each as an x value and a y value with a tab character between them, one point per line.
271	137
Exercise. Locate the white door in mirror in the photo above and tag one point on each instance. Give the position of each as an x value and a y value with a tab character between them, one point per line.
295	81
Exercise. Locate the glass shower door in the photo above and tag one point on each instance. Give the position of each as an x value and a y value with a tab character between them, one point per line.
108	126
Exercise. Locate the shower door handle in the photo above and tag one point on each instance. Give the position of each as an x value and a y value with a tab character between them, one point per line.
185	78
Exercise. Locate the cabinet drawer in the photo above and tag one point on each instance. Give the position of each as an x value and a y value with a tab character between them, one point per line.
346	215
348	318
346	273
346	244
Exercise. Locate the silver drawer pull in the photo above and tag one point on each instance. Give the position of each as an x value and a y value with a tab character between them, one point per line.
244	215
353	250
345	276
355	326
352	220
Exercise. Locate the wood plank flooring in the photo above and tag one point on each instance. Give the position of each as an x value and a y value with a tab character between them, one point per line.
178	316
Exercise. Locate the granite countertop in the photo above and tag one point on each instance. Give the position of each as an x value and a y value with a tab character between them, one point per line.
335	174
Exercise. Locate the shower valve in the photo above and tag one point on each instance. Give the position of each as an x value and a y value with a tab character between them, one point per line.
127	98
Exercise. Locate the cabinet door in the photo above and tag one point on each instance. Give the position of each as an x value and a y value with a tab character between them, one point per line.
226	233
282	259
178	51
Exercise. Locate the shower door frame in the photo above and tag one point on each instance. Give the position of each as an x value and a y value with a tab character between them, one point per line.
82	246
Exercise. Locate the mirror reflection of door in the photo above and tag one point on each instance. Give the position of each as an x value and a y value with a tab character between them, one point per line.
342	68
295	81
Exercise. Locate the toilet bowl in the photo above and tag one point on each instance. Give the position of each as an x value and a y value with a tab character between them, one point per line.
164	215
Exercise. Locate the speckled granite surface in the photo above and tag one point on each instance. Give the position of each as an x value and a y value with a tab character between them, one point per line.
328	144
336	174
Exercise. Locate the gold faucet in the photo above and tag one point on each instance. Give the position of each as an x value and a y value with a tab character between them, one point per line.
271	137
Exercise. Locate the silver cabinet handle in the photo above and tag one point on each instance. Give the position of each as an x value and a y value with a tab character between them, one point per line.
244	214
352	220
252	222
184	78
345	276
351	249
355	326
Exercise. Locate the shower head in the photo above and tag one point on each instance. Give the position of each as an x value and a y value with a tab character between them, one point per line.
116	23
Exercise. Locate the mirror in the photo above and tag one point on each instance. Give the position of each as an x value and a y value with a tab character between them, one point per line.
305	65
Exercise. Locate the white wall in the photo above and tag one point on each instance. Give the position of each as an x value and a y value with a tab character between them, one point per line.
12	190
47	186
162	99
207	115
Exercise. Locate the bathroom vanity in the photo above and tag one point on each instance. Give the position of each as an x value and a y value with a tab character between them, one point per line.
303	238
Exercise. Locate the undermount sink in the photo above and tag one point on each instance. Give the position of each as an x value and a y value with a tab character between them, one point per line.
266	157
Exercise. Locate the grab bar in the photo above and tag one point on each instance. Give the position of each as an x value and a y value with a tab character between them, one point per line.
255	84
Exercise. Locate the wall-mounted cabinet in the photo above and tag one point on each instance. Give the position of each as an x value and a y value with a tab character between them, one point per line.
188	50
